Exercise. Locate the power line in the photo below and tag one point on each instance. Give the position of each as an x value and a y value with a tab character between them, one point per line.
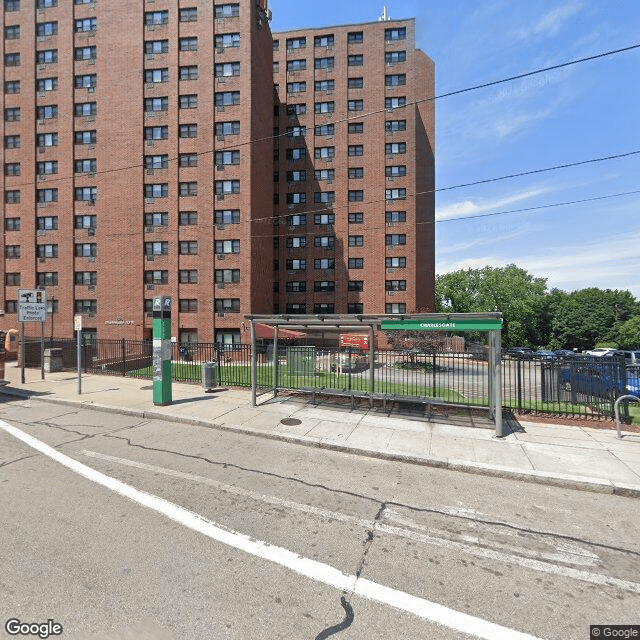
364	115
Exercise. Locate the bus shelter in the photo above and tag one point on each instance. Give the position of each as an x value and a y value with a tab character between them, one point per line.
452	322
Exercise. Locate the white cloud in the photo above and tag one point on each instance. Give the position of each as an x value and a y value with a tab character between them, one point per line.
552	22
470	207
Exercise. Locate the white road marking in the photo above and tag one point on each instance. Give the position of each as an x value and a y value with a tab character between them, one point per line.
312	569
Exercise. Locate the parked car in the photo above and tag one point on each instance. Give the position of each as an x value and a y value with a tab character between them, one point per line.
350	360
600	351
564	353
544	355
631	358
520	352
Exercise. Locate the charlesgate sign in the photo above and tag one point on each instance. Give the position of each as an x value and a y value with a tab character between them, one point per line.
458	324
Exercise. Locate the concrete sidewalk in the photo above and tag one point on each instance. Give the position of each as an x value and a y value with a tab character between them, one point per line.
576	457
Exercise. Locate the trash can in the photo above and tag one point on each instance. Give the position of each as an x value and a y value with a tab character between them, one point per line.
210	375
52	360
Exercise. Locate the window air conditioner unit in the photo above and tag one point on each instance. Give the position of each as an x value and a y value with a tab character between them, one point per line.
219	167
40	232
91	202
220	196
149	200
91	232
150	287
220	49
41	259
220	137
91	287
91	89
149	229
220	256
220	285
91	258
220	226
150	258
149	172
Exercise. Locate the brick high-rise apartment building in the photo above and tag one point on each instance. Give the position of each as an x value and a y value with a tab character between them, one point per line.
139	159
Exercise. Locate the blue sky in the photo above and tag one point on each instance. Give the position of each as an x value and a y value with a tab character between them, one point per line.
585	111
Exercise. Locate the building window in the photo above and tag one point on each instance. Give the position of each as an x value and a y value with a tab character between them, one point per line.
47	223
355	83
296	242
188	276
296	264
324	263
12	142
226	98
84	109
355	285
395	171
296	43
356	218
12	224
297	153
47	168
11	306
327	242
86	306
156	248
188	188
227	305
228	10
356	263
85	222
47	139
392	148
355	307
48	251
394	239
225	187
155	76
85	137
188	72
226	69
227	276
296	308
12	169
188	159
355	150
395	80
297	65
325	197
156	277
228	128
46	84
83	25
324	41
324	63
156	133
356	195
156	104
11	59
395	102
12	114
324	174
396	307
296	87
324	286
323	307
85	81
12	279
354	37
153	47
395	194
160	190
395	125
227	40
44	29
190	14
227	157
48	279
356	241
392	57
156	17
356	172
85	277
324	218
86	250
325	85
297	220
189	305
46	195
326	130
325	152
395	263
12	32
395	216
156	162
87	165
355	60
394	34
85	194
157	219
188	131
12	86
395	285
188	101
227	246
227	216
296	176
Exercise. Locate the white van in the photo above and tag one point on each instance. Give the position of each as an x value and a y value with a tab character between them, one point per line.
631	358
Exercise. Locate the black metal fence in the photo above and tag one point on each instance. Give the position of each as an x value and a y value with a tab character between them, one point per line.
575	386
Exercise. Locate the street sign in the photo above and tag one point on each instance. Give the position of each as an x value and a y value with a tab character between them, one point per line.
32	305
456	324
77	322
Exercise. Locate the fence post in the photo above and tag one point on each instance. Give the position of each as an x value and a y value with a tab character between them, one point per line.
124	356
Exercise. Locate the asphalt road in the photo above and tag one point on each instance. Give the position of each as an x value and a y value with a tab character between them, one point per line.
404	539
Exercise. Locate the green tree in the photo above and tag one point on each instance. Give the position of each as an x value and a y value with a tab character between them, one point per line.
588	316
514	292
629	333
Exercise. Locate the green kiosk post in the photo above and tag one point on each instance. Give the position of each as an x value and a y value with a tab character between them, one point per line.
162	350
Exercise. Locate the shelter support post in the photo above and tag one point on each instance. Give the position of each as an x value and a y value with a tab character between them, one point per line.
275	360
254	364
372	365
495	381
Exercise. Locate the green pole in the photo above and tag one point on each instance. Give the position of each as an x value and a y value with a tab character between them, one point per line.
162	350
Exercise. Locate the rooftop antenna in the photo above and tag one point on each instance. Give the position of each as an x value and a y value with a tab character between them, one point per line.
385	15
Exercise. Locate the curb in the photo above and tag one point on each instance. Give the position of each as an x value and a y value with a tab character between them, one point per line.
564	481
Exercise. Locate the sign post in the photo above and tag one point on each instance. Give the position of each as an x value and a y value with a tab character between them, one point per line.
32	307
77	325
162	348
